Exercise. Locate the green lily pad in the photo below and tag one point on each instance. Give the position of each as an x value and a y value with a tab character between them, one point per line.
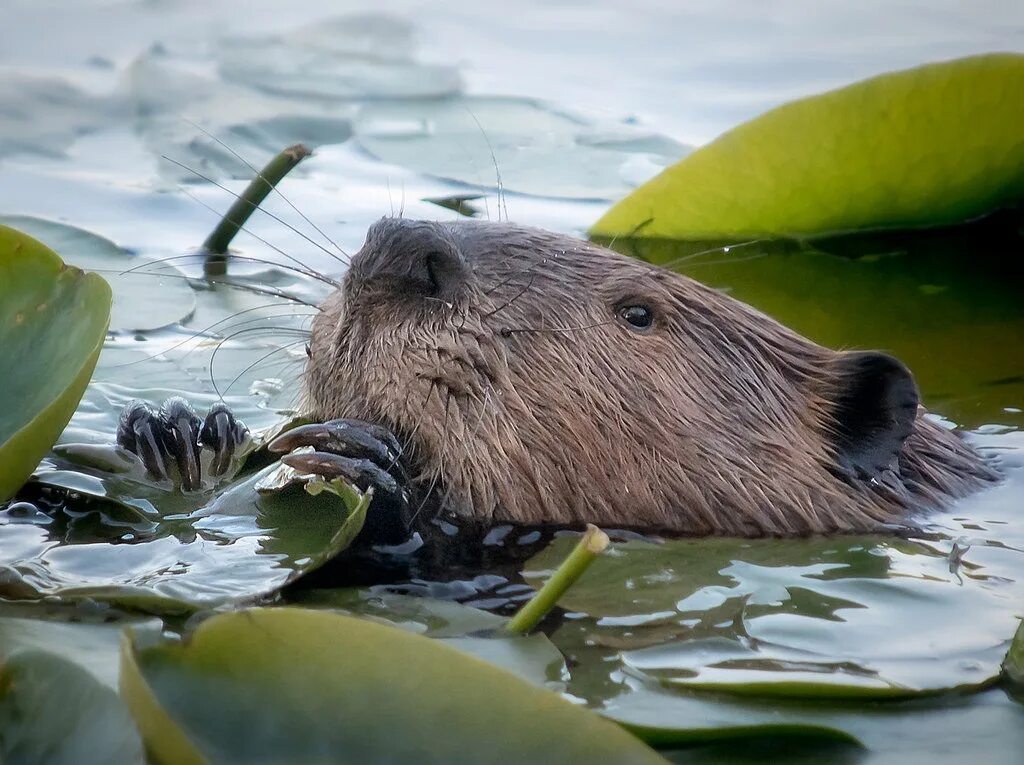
53	319
193	552
470	630
147	294
934	145
361	693
729	616
89	642
1013	664
424	616
53	712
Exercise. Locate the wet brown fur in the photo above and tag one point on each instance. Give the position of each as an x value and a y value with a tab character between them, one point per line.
523	398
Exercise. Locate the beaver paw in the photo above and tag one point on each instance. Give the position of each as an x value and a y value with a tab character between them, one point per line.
361	453
355	451
170	440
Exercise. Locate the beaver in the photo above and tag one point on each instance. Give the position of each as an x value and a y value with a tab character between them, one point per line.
491	373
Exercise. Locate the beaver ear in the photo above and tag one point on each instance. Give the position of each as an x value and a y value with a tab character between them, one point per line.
875	408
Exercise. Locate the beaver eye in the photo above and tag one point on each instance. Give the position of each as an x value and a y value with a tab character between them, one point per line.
637	316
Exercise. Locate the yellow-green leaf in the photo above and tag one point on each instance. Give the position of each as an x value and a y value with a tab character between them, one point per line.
938	144
1013	665
289	685
53	319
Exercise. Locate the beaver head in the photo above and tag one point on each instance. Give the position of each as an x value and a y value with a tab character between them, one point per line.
538	378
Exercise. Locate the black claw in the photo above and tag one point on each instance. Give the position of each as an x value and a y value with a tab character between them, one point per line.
360	471
361	453
181	433
140	431
350	438
175	436
223	434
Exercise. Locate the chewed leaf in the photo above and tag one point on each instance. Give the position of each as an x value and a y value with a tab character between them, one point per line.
934	145
53	319
238	546
361	693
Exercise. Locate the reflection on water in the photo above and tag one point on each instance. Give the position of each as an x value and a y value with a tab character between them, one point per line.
571	104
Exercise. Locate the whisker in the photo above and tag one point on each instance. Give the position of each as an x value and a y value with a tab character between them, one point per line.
533	266
199	257
502	199
237	377
302	267
472	435
510	301
437	473
263	210
728	261
259	175
419	421
723	249
269	291
203	331
507	331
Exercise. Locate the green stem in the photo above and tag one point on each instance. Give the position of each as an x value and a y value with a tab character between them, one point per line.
217	243
592	544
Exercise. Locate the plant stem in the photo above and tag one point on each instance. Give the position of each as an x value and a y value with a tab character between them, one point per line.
592	544
216	244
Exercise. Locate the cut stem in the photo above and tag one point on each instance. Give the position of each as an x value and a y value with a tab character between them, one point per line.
217	243
592	544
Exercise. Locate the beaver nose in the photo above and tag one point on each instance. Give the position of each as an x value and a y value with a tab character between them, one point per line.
418	257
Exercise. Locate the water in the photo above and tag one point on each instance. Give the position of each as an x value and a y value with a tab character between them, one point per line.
574	104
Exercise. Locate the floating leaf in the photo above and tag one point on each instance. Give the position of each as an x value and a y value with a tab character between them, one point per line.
361	693
238	546
666	720
53	712
147	294
785	617
535	148
938	144
53	319
87	641
1013	664
425	616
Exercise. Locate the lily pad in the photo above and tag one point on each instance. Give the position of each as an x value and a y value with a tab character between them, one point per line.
196	552
364	55
537	148
92	641
934	145
362	693
53	319
1013	664
727	616
147	295
53	712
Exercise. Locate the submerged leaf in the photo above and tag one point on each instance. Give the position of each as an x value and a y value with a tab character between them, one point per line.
288	685
938	144
53	319
53	712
